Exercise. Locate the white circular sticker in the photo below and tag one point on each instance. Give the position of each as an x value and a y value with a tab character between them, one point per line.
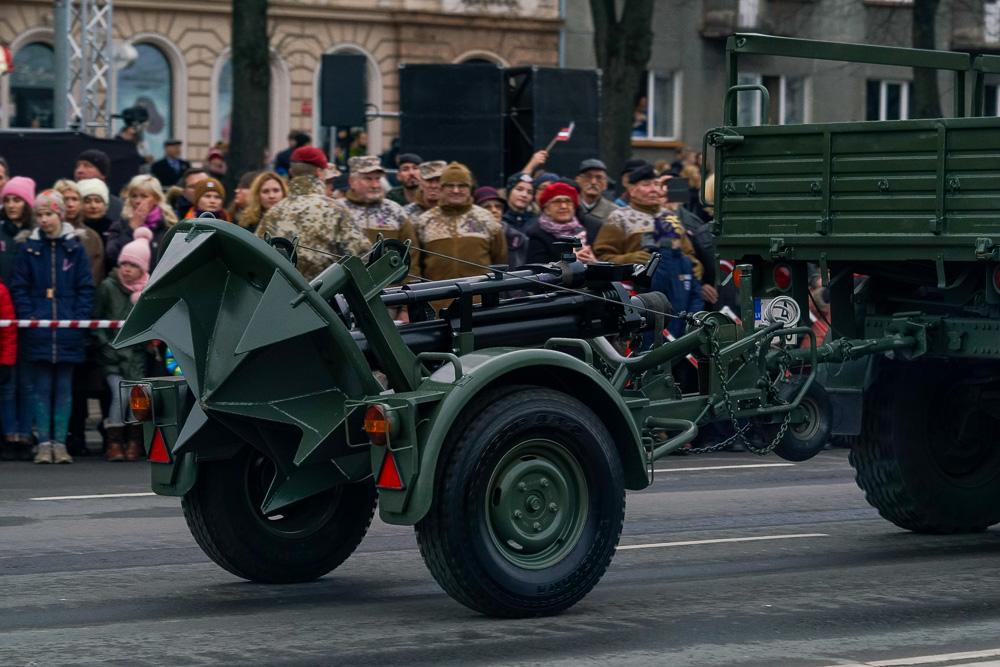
783	309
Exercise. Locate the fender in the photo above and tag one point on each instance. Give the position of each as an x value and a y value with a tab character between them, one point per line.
485	369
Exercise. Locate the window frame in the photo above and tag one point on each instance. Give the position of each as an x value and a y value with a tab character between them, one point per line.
650	138
904	98
782	101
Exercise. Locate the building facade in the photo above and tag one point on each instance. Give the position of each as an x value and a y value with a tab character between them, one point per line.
182	69
685	84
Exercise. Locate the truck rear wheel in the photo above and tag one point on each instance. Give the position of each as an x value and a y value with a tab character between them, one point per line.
302	542
529	505
928	457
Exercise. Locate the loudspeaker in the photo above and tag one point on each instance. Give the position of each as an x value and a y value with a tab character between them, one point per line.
455	112
543	101
343	89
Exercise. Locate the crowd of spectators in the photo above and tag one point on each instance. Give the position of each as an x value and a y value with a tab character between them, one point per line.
77	251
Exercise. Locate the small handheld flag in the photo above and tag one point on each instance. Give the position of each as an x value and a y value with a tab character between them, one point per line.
563	135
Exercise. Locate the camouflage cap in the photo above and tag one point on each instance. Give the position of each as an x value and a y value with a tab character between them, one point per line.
429	170
365	164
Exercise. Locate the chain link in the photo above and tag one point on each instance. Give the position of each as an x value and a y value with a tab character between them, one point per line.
740	433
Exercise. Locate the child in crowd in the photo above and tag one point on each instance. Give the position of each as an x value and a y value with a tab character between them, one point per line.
52	281
94	196
208	198
91	240
145	206
11	447
16	394
115	297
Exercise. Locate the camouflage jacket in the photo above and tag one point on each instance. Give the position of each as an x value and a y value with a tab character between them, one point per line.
473	236
319	222
385	216
621	235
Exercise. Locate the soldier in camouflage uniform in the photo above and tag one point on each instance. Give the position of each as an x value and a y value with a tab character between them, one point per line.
620	238
372	212
429	193
318	221
458	228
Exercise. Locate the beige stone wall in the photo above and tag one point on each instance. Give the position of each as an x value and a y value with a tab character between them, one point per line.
195	38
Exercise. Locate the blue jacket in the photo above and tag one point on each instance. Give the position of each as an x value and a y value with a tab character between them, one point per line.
52	281
674	277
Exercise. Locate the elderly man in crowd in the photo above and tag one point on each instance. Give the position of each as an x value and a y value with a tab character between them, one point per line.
458	228
324	226
592	177
372	212
620	238
429	192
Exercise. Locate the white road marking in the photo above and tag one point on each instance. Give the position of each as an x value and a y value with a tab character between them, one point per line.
931	659
720	541
748	465
102	495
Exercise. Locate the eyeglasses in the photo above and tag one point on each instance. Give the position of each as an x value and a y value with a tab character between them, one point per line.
455	186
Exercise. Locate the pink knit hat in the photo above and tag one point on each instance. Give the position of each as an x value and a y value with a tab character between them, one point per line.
137	251
20	186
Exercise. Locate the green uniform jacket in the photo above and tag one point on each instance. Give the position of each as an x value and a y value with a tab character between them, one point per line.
113	302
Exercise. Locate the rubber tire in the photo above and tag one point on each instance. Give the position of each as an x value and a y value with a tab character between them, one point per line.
792	447
229	531
893	462
454	538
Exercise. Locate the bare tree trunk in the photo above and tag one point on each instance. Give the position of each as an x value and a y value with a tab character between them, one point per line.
623	48
926	96
251	111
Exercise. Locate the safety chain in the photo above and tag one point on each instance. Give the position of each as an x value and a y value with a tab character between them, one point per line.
713	341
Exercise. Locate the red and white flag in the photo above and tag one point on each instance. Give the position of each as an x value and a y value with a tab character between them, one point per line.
565	133
6	61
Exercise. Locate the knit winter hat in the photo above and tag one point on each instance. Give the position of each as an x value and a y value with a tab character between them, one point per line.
20	186
456	173
556	190
208	185
484	194
97	158
138	251
93	186
52	200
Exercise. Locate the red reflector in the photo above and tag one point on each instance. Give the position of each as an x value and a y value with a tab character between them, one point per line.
782	277
996	279
159	453
388	477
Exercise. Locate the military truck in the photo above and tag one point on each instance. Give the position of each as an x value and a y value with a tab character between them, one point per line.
507	430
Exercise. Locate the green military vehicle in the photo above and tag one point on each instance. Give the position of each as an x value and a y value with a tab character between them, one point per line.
507	430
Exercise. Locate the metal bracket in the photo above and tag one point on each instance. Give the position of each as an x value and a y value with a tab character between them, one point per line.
986	249
936	225
778	248
824	224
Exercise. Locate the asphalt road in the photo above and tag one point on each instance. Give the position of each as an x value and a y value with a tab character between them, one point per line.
721	563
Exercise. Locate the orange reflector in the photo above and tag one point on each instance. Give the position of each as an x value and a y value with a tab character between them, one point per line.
158	453
388	477
737	274
377	424
140	401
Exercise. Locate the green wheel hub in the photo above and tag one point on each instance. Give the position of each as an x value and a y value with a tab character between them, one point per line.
536	504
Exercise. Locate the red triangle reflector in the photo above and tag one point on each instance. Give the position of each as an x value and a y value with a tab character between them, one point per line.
158	453
388	477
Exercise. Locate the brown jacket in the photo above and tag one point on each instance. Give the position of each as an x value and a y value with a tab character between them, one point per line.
620	238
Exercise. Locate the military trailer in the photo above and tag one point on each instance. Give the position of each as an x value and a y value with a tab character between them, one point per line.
507	430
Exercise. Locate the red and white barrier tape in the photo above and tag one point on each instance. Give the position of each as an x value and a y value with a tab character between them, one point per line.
62	324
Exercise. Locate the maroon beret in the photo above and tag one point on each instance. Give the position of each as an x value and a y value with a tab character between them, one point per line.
311	155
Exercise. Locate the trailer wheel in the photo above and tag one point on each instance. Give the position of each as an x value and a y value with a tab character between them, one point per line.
529	506
805	440
928	457
301	543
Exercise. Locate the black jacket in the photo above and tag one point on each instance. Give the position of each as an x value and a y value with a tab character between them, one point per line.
166	174
541	244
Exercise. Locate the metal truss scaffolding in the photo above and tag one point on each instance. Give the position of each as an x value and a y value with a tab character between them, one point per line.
83	65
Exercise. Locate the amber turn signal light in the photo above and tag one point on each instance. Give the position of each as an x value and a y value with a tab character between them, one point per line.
140	401
378	424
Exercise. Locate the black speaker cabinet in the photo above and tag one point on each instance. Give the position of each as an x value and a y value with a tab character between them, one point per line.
455	112
540	103
343	89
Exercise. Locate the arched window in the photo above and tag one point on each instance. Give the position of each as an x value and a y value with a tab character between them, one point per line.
148	83
224	94
222	100
32	86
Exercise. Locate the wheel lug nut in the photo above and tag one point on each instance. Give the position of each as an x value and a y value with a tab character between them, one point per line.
537	526
518	514
544	482
522	487
553	507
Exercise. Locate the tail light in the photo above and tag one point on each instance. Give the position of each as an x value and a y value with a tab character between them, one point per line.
140	401
378	424
782	277
996	279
